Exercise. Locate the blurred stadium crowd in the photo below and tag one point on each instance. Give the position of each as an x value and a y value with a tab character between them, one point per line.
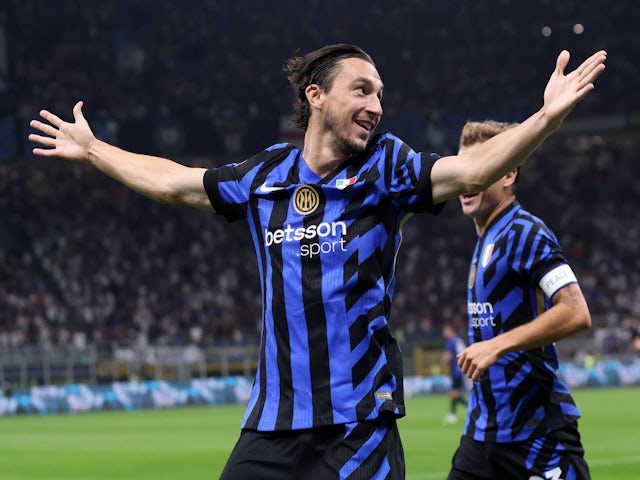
84	260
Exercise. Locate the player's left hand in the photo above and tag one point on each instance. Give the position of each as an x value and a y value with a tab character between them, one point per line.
477	358
564	91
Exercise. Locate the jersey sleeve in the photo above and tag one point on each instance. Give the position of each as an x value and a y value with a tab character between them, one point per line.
542	259
229	187
408	176
227	191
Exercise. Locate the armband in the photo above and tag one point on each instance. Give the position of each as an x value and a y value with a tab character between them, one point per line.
554	280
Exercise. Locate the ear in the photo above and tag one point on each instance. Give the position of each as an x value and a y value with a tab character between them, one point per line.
510	178
315	95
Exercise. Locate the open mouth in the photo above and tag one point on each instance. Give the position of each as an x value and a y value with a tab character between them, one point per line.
469	195
366	125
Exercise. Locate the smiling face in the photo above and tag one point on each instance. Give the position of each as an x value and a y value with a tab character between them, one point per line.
351	109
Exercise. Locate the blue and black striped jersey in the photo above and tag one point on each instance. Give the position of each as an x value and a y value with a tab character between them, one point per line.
326	250
520	396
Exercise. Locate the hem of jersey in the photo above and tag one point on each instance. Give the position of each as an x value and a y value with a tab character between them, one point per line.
323	422
566	420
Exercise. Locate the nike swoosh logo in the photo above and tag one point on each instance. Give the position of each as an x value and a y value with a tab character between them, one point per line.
266	189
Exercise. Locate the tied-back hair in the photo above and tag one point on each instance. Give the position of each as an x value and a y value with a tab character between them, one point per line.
319	67
478	132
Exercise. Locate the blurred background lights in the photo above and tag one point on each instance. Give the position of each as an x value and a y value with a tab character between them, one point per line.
546	31
578	28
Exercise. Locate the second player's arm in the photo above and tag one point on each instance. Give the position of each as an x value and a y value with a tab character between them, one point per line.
568	315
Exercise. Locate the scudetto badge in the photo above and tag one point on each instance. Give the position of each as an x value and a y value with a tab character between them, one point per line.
305	199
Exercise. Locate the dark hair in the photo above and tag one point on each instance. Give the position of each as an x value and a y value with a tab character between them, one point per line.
319	67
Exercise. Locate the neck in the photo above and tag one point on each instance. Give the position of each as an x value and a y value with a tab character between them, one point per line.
482	223
321	151
321	156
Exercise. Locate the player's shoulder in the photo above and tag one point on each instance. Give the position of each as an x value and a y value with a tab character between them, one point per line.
274	153
386	139
390	148
524	216
531	224
278	150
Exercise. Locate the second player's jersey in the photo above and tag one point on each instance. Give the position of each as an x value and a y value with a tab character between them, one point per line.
520	396
326	250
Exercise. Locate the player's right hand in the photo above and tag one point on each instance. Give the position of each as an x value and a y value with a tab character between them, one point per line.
63	139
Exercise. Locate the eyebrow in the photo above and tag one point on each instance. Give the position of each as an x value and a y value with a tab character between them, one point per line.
369	82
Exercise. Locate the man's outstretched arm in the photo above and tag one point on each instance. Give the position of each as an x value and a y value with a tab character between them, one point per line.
454	175
157	178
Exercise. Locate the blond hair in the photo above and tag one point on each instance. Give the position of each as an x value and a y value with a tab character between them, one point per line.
477	132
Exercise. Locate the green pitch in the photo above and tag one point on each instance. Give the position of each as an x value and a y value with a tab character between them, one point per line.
193	443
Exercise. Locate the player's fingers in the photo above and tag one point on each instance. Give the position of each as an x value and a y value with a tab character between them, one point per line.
590	73
44	152
462	363
51	118
467	367
593	61
587	73
77	111
585	85
46	141
44	127
562	61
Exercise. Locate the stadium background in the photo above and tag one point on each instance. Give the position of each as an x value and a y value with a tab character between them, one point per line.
99	284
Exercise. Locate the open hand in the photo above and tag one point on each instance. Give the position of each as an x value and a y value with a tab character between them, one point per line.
563	92
63	139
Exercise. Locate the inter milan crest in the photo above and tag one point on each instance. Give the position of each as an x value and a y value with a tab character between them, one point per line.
305	199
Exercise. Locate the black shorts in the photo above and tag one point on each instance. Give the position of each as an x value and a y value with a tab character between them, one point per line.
559	455
359	451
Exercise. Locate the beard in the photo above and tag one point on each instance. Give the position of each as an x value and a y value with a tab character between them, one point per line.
344	143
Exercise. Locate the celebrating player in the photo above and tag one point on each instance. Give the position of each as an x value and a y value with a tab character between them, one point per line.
326	225
522	297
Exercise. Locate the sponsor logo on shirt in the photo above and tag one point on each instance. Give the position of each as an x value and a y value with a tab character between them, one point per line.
335	230
481	314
